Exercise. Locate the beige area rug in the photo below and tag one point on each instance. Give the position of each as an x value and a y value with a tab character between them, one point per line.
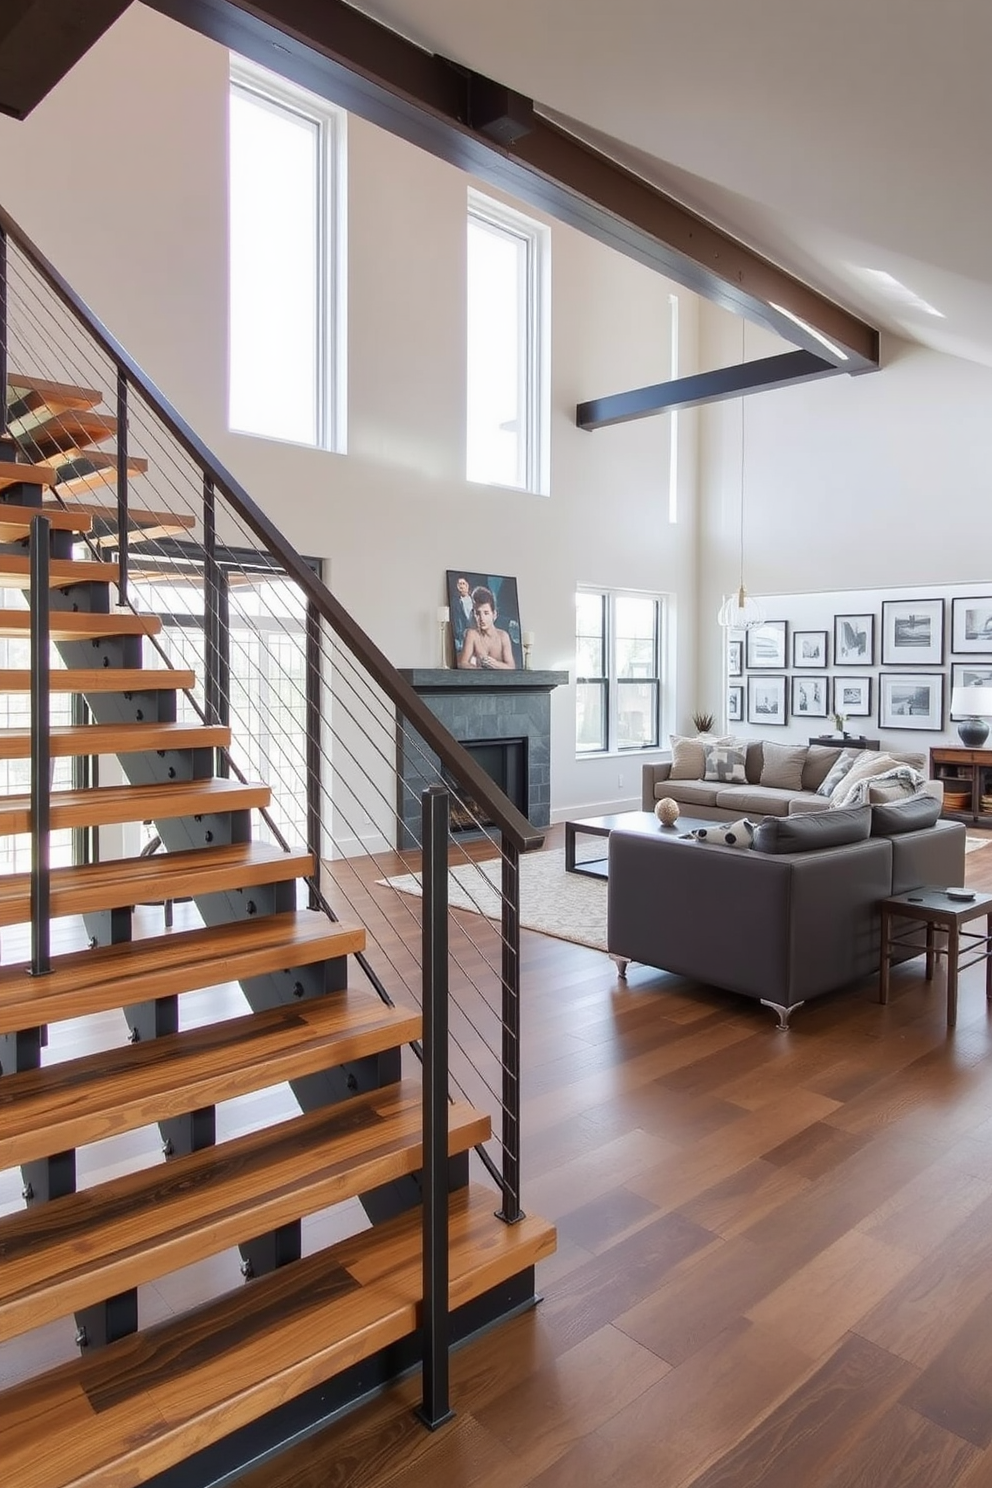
972	844
566	905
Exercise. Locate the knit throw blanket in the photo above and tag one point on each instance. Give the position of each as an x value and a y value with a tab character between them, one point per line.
909	778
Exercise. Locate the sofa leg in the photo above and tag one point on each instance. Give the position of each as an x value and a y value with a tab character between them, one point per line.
784	1013
622	962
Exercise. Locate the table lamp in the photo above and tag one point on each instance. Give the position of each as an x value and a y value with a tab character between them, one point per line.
972	705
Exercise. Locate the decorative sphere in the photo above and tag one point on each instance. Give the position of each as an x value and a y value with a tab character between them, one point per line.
667	811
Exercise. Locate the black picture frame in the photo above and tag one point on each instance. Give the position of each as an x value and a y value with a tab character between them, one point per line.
507	608
809	649
845	702
977	673
911	700
854	640
810	695
766	701
766	645
971	624
912	632
735	658
735	704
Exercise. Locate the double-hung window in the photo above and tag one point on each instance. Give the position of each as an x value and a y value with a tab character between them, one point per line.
507	396
286	262
618	644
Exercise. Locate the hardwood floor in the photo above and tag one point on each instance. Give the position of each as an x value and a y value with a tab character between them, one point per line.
775	1250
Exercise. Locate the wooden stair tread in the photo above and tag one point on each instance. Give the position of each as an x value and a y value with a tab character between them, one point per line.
68	740
94	1244
72	625
50	432
13	473
127	881
15	572
48	1110
91	470
102	679
138	517
37	392
122	1414
15	520
111	804
111	976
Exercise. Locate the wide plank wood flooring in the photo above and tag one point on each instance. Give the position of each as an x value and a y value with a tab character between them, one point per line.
775	1250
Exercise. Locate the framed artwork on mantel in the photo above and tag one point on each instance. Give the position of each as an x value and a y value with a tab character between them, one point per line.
484	606
912	632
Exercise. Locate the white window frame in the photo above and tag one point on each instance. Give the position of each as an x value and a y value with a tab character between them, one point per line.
613	682
534	338
331	255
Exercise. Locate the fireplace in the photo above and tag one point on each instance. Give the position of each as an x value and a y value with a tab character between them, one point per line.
505	762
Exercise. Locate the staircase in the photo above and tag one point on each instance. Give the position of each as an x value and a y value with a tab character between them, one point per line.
312	1327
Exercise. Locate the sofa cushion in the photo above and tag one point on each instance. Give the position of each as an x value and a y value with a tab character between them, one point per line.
897	817
782	766
811	831
689	755
754	761
754	800
837	771
808	801
692	792
890	790
725	762
819	758
727	834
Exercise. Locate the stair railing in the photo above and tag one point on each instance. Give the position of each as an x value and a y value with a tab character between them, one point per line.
41	884
355	704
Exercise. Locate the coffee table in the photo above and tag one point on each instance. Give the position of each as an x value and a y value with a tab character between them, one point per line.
626	821
942	915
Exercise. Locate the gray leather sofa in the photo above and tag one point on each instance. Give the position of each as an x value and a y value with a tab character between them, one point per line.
710	800
778	926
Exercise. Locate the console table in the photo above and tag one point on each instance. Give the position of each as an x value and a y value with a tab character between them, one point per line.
849	741
967	777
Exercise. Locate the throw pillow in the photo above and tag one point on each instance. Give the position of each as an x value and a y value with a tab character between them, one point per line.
904	816
725	762
837	772
689	756
869	763
811	830
732	834
819	760
783	765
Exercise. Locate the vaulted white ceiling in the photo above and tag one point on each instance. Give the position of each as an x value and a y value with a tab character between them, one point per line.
847	140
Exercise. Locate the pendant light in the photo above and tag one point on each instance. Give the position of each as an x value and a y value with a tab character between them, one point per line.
740	611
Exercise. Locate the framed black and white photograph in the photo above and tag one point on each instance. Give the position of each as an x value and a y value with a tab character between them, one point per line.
809	697
766	700
809	648
854	640
485	620
971	623
969	674
912	632
735	658
911	700
766	645
852	697
735	704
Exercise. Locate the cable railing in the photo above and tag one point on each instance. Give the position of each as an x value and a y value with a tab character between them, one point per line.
316	710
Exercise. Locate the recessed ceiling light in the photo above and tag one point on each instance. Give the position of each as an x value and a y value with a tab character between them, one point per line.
896	290
804	325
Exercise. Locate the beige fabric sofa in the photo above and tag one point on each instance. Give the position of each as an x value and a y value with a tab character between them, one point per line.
712	800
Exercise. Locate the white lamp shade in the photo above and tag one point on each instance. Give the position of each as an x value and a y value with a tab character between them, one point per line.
971	702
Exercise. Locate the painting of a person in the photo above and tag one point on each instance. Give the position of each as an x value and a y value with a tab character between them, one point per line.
486	645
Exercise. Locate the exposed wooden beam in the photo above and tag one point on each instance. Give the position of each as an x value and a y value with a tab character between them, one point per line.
341	54
40	40
705	387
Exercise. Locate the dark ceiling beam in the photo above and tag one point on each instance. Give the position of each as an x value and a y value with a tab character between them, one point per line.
40	40
705	387
342	55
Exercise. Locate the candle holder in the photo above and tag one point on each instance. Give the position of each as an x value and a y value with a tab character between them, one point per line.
443	616
527	644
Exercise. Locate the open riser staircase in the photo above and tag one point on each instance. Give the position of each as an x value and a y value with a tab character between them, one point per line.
299	1005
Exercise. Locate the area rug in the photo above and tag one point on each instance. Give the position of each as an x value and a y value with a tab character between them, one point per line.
565	905
972	844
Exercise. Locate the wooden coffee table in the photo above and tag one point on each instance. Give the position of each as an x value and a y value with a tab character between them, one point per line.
623	821
943	915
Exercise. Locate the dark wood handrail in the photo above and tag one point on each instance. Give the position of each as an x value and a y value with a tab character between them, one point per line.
458	761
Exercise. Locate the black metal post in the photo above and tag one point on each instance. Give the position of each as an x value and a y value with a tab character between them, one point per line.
122	492
511	1211
84	775
315	820
435	1408
41	958
213	681
4	436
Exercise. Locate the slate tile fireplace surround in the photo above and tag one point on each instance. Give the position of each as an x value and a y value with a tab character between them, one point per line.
480	707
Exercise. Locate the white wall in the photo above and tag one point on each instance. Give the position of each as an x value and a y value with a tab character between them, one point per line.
120	177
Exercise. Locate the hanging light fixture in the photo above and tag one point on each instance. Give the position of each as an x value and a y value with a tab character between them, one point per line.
741	611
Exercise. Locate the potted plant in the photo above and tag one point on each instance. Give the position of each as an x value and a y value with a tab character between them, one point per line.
703	722
840	719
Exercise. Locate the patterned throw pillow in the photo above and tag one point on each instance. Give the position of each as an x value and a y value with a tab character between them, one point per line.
689	756
836	775
727	834
725	762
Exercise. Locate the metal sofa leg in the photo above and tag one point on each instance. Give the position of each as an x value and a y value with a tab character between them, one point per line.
622	962
784	1013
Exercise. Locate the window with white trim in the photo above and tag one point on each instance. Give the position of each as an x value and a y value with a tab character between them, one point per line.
507	394
285	261
618	650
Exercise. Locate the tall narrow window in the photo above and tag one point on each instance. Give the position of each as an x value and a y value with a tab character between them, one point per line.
618	671
506	376
283	266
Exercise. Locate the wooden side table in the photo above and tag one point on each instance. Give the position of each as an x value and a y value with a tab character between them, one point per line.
944	917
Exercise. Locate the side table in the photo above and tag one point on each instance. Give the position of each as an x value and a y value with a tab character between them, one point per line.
943	917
